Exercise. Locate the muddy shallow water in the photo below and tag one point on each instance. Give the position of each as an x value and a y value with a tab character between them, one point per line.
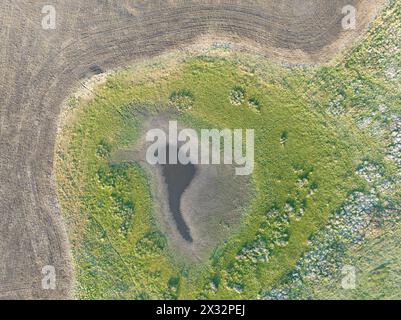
178	177
196	206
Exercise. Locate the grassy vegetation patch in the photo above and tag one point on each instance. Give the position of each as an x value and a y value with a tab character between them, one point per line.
302	172
310	166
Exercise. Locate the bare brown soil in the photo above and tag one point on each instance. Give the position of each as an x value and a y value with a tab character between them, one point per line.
40	68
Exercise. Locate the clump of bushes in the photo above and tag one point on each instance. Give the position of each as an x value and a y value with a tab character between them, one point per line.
182	100
153	241
103	149
257	251
237	95
255	104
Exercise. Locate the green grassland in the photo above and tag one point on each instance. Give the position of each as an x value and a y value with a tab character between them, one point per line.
309	146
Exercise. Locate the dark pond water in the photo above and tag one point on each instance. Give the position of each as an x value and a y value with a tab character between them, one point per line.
178	177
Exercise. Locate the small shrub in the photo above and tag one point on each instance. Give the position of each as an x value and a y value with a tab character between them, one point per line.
284	137
152	241
314	185
173	283
216	280
255	104
182	100
237	95
103	149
